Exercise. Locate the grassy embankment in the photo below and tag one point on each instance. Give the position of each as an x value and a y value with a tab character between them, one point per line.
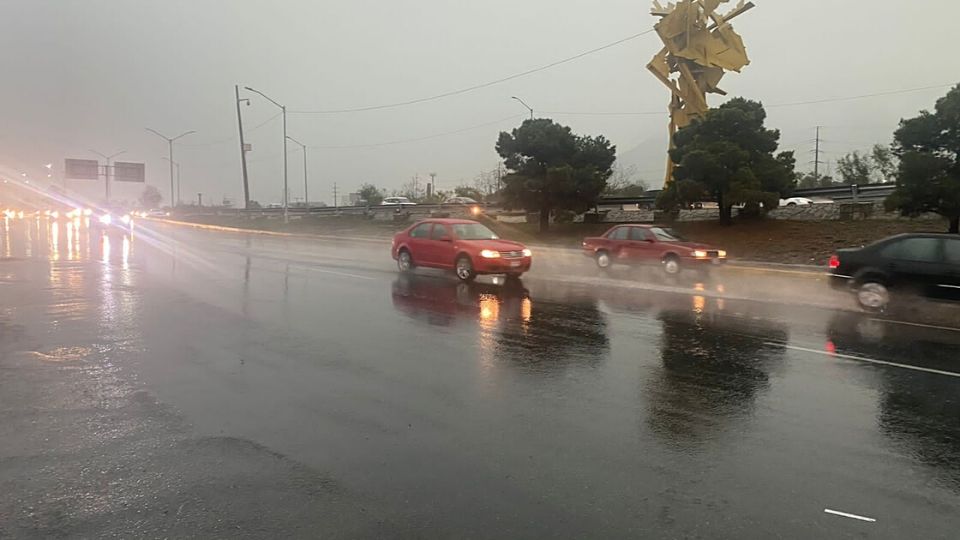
794	242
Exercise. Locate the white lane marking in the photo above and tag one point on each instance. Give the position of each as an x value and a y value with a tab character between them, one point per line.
851	516
344	274
950	286
919	325
862	359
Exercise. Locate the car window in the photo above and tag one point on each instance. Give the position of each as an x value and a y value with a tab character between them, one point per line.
666	235
620	233
913	249
421	231
473	231
951	251
439	231
639	234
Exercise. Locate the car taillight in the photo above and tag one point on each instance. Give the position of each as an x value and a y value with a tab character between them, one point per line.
834	262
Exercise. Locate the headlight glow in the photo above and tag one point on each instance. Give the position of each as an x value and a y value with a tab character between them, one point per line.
722	254
87	211
125	219
700	254
489	254
106	219
527	252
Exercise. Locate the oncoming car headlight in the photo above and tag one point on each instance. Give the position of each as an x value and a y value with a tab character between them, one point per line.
700	254
125	219
722	254
527	252
106	219
489	254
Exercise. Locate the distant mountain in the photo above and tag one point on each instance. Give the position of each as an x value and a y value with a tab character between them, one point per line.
649	158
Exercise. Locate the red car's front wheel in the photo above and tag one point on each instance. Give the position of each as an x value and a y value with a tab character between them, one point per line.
404	261
464	269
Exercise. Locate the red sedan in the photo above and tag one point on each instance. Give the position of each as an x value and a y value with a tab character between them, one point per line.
649	244
466	247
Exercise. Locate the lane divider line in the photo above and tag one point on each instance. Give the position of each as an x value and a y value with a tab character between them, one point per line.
919	325
863	359
851	516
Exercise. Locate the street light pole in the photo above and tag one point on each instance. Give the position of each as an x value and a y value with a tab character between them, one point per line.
106	172
179	198
525	105
306	196
283	110
170	142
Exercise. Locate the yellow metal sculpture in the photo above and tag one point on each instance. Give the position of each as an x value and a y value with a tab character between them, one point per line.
699	46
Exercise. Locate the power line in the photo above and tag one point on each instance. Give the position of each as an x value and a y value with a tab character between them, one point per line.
478	86
775	105
417	139
233	137
862	96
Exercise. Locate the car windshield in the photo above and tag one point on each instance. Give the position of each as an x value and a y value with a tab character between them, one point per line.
667	235
473	231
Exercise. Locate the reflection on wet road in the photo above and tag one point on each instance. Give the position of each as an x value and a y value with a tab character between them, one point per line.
563	406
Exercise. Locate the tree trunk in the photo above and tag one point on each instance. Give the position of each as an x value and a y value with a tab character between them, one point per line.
955	225
726	211
544	220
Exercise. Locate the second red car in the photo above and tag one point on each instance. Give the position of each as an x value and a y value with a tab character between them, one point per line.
649	244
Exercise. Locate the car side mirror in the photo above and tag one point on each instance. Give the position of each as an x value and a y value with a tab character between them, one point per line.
650	240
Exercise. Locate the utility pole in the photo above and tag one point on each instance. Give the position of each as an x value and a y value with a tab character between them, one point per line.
199	199
243	149
433	181
816	157
336	204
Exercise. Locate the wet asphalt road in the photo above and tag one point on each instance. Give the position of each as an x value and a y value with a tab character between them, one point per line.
183	382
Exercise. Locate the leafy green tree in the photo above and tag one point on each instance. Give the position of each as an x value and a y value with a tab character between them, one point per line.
551	168
729	156
884	163
810	180
928	177
371	193
151	197
855	168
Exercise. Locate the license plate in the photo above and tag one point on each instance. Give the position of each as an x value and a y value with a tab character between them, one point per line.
515	264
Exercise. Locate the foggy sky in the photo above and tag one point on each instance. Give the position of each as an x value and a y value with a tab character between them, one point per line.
80	75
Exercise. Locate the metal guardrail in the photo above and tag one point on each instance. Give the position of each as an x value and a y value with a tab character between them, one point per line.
869	192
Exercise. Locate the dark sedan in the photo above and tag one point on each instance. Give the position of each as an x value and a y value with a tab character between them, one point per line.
927	265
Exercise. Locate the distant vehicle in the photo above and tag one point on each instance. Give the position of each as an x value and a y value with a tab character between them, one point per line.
476	208
113	220
397	201
157	213
464	246
927	265
649	244
795	201
460	200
